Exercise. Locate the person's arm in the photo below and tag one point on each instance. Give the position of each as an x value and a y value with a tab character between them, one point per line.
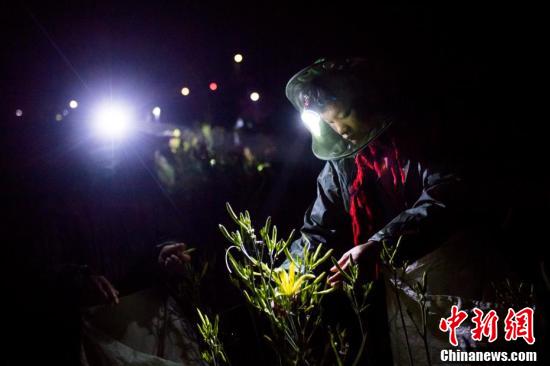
435	214
325	218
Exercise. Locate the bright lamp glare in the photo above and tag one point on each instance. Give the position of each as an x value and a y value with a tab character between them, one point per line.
238	58
18	112
73	104
254	96
312	120
185	91
156	112
112	120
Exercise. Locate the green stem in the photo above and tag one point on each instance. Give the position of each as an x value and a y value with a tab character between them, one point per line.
396	291
360	352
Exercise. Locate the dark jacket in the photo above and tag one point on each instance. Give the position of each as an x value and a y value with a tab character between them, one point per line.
428	205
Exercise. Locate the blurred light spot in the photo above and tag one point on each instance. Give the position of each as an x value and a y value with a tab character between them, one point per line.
185	91
65	112
18	112
176	133
254	96
213	86
156	112
238	58
58	117
263	166
174	144
112	120
212	162
239	123
73	104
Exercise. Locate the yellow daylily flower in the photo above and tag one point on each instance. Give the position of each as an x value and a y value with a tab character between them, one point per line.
288	284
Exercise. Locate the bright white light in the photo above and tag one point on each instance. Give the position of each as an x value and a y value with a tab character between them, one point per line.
112	120
156	112
185	91
254	96
73	104
18	112
312	120
238	58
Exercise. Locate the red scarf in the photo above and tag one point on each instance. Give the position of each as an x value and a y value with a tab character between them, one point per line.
373	163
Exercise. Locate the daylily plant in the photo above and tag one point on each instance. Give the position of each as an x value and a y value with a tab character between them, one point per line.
285	288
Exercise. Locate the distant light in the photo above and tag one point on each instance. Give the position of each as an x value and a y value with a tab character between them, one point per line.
176	133
212	162
239	123
254	96
238	58
312	120
156	112
65	112
73	104
112	120
18	112
185	91
213	86
58	117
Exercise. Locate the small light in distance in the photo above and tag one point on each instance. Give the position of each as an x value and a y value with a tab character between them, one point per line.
185	91
18	112
156	112
65	112
112	120
238	58
73	104
254	96
58	117
213	86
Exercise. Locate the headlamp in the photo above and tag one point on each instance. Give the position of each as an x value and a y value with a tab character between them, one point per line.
312	120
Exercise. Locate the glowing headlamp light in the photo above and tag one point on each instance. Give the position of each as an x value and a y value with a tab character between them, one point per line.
312	120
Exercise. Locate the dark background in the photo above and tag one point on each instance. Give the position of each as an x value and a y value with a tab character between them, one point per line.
470	67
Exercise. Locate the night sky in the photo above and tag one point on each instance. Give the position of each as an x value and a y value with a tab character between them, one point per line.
149	50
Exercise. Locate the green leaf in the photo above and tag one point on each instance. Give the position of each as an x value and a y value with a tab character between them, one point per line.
344	273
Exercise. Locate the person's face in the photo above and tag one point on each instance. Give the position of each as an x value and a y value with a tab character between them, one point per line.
348	125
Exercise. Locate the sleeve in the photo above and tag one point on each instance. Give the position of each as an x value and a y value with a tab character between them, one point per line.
438	211
326	219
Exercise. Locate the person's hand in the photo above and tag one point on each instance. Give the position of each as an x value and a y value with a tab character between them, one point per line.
172	258
106	290
365	255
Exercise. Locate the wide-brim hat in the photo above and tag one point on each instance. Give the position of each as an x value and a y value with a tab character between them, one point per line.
326	143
